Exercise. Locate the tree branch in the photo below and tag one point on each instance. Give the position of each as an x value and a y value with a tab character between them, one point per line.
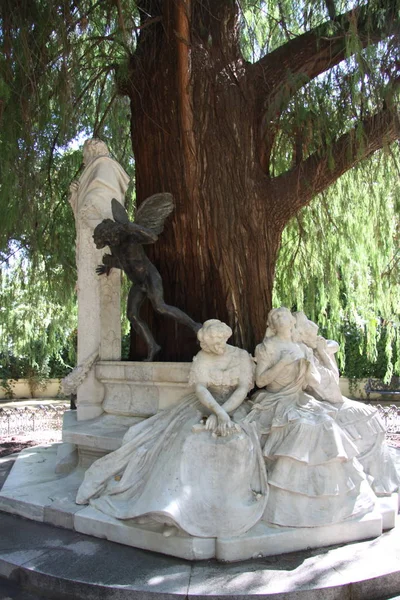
315	174
322	48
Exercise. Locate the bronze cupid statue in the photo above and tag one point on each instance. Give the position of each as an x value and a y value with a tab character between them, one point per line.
125	240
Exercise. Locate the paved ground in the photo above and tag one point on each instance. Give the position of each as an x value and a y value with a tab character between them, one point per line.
19	441
12	591
66	565
4	403
12	444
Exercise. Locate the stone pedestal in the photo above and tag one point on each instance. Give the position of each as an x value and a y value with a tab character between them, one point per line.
140	389
99	314
99	329
131	391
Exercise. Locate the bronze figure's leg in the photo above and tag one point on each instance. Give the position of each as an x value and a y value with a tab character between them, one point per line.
135	300
156	296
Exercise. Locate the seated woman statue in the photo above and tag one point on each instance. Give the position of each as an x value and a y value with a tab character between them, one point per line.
313	475
360	421
190	467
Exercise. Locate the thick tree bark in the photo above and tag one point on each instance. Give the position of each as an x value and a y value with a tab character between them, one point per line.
198	132
194	134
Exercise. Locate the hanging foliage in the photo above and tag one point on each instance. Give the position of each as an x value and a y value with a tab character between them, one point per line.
340	261
245	112
56	88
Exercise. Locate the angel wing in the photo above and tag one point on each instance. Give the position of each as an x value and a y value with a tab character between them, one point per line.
119	213
153	212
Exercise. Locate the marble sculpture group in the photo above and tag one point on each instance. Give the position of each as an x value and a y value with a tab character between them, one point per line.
229	457
295	453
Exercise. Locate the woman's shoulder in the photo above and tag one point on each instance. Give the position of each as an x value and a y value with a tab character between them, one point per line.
234	350
197	367
242	365
268	347
241	356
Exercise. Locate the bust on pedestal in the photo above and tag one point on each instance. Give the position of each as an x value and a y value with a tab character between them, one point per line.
99	327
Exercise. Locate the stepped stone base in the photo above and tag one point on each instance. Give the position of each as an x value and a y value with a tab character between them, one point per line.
34	491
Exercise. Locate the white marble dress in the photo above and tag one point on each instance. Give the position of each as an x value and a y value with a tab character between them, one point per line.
313	475
365	428
172	469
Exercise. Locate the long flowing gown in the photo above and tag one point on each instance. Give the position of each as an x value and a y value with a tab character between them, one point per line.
172	469
313	475
365	428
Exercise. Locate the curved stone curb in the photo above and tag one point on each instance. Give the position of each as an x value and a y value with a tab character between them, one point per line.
66	565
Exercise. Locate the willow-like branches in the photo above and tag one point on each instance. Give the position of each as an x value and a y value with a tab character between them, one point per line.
319	83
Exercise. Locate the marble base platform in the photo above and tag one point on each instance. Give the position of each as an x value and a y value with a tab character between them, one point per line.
94	438
260	541
104	433
34	491
131	392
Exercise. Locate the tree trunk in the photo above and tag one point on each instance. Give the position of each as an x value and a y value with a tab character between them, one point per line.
195	134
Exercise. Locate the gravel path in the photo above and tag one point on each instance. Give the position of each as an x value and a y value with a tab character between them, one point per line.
16	443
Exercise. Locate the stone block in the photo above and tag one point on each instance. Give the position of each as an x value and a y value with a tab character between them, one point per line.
110	370
101	435
67	458
131	399
139	372
388	507
171	394
267	540
171	372
142	389
148	537
33	487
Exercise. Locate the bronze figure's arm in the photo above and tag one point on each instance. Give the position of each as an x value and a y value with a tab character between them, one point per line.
109	262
